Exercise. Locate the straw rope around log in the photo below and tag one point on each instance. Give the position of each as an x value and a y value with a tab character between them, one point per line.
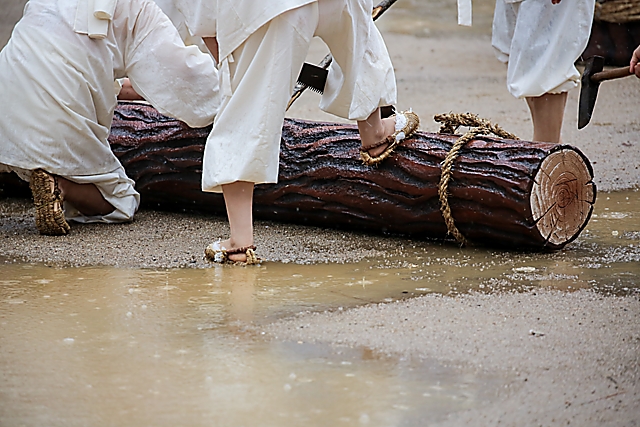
617	11
450	124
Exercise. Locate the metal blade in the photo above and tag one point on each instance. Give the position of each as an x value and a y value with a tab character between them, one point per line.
313	76
588	90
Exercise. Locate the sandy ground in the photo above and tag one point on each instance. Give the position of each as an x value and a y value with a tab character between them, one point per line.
580	365
569	358
432	79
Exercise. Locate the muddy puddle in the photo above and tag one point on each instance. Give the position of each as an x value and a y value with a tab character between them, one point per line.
100	346
107	346
605	257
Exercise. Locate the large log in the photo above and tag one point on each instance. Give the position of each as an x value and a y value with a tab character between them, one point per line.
502	193
505	193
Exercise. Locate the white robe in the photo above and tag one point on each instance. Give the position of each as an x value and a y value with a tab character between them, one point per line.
263	45
232	21
57	93
541	41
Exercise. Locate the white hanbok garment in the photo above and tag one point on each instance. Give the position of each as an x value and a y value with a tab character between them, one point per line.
541	41
262	48
57	73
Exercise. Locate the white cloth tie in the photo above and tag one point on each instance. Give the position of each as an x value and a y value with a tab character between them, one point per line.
464	12
93	17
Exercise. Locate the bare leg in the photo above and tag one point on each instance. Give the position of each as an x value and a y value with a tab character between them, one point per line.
238	197
374	129
547	113
212	45
84	197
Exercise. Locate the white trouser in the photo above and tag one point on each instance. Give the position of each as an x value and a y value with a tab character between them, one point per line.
116	187
244	144
541	42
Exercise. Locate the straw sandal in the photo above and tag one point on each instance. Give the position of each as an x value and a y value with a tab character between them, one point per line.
48	200
407	123
215	252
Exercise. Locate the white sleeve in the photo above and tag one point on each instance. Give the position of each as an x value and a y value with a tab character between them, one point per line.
180	81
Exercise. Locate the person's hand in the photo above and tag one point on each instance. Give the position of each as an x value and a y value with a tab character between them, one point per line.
634	67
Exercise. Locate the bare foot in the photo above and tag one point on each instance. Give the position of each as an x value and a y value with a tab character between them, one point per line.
235	257
372	137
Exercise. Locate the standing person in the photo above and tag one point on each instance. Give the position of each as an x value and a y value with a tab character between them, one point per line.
541	40
58	93
261	47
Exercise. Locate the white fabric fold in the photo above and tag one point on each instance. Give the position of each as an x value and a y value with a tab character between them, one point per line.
93	17
104	9
170	9
541	42
81	22
57	92
98	20
224	74
232	21
244	144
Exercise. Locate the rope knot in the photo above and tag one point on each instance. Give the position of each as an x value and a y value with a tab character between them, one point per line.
449	125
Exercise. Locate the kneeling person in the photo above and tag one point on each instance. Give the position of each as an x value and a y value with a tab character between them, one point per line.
58	92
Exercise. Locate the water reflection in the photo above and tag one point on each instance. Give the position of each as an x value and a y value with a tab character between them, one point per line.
107	346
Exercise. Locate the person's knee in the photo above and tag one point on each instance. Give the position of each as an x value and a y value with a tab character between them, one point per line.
123	209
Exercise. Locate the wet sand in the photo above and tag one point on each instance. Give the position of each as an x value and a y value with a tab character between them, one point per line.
572	357
567	358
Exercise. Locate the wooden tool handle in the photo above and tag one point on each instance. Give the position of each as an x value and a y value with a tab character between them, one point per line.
382	8
615	73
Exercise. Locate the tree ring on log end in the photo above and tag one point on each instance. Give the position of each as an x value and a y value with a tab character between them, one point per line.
562	197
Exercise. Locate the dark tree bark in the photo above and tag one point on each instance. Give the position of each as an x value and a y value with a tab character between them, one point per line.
614	41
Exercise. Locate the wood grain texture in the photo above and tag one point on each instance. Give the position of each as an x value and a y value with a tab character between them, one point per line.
562	196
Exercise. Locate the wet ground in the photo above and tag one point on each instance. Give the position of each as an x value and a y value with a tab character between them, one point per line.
169	348
83	346
127	325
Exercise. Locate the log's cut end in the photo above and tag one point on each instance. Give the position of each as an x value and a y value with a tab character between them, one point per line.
562	196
